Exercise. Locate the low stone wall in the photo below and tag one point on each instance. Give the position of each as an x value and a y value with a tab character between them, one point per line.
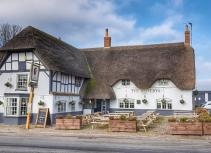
122	126
68	124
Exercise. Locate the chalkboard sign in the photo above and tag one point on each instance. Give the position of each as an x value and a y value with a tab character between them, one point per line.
42	117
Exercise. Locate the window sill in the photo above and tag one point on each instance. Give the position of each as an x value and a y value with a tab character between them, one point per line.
21	90
14	116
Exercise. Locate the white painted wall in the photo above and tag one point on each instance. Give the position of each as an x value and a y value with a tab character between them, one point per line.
67	99
152	94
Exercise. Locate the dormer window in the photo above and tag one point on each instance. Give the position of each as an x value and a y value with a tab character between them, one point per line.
125	82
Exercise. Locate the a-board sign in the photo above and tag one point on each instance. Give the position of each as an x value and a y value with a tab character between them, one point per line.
42	117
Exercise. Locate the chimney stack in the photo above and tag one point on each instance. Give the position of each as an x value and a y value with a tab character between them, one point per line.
107	39
187	35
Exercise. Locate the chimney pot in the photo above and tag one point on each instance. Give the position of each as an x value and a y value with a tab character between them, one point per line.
187	35
107	39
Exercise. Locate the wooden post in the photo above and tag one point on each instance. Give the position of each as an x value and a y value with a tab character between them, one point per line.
29	109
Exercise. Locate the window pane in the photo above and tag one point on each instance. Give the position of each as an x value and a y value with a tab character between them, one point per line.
11	108
159	105
169	106
23	107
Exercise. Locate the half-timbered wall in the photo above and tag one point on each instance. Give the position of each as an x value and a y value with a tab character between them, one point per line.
64	83
20	61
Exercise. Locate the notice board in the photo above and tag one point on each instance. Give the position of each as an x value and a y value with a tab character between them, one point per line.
42	117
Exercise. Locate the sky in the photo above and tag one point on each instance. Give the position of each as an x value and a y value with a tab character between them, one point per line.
82	23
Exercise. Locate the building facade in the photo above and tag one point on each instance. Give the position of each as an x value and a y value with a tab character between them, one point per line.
201	98
157	77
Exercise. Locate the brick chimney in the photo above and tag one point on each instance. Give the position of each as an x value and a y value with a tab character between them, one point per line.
187	35
107	39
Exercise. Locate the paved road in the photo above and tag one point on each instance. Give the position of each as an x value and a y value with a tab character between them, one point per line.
14	143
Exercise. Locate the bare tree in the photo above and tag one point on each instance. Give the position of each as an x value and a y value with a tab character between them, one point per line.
7	32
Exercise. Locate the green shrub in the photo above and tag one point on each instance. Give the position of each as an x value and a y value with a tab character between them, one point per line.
184	119
200	110
111	118
172	119
123	117
59	117
68	116
78	117
132	118
204	117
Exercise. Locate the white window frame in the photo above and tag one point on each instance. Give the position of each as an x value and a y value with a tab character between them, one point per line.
62	107
18	106
168	103
17	83
127	105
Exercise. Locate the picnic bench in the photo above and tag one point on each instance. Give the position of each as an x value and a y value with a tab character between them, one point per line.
189	114
147	119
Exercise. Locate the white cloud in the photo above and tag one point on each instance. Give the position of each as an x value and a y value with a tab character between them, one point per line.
204	84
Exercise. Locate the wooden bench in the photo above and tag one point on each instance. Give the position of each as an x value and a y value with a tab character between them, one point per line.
189	114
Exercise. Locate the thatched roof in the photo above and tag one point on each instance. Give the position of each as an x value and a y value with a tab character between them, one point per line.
143	65
55	54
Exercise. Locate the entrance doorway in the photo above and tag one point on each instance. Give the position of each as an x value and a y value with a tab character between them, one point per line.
102	106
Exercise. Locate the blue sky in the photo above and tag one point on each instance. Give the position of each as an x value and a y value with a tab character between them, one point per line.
82	23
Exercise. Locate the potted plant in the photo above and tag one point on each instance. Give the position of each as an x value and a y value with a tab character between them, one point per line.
41	103
122	124
144	101
8	84
195	92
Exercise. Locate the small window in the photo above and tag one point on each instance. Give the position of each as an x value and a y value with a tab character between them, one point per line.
22	81
62	107
125	82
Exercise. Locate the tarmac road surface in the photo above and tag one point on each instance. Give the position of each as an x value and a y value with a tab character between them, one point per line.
13	143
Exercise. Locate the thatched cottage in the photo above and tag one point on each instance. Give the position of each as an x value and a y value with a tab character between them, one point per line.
157	77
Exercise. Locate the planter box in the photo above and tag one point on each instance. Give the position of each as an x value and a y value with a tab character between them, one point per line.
60	124
189	128
207	128
122	126
68	124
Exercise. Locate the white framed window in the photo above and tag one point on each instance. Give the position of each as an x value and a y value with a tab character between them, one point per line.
12	106
164	105
125	82
126	103
22	81
16	106
61	107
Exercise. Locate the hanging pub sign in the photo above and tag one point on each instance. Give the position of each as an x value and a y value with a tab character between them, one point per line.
34	74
